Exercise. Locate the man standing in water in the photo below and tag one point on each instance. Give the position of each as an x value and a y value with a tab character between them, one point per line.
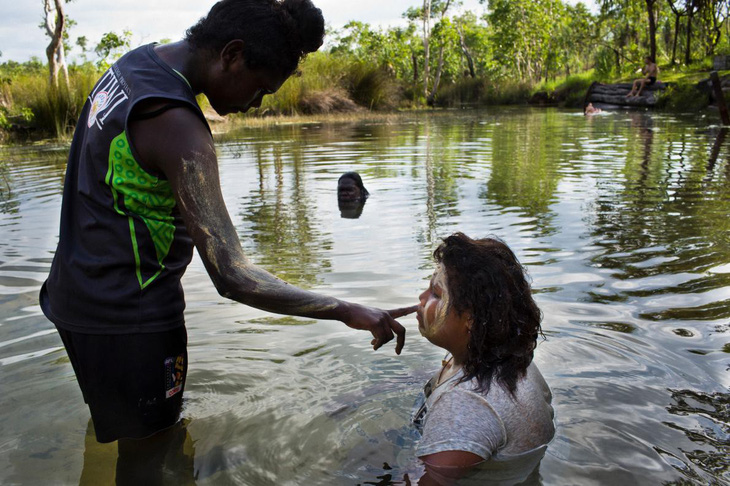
142	188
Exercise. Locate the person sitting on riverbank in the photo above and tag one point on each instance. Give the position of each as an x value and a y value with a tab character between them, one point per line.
351	195
486	414
591	110
650	72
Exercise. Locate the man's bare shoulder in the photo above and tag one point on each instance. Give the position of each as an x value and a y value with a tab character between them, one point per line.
164	133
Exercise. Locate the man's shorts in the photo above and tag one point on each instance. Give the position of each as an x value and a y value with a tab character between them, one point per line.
133	383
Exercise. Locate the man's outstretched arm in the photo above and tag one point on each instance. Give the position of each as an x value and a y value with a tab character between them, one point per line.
178	144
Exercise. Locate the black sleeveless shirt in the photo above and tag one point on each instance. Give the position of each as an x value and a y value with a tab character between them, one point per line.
123	247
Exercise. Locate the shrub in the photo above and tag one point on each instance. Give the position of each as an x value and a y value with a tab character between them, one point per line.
327	83
683	97
50	110
482	91
572	91
371	87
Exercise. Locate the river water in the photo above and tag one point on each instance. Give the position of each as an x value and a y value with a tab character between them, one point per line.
621	219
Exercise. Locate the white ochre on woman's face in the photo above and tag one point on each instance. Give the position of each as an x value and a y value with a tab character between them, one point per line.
434	304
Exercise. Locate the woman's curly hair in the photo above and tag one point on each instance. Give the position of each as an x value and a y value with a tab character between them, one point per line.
488	284
276	34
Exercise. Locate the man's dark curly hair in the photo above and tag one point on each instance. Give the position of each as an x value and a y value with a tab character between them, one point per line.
487	283
276	34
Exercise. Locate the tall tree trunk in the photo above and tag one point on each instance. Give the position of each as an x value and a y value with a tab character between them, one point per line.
414	60
437	77
466	52
676	36
55	23
677	23
61	58
690	14
652	27
426	44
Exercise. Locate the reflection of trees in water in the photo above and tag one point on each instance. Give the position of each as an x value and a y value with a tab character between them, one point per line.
664	208
440	167
7	203
284	231
38	169
709	430
525	167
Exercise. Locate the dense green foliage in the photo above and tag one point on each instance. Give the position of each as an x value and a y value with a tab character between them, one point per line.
443	56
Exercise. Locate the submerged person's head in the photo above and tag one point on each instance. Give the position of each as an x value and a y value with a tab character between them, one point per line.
479	306
350	188
254	42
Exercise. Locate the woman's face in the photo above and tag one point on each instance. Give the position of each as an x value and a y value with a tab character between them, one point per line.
347	190
437	321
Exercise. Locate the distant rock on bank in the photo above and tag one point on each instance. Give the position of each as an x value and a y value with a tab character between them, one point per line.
613	96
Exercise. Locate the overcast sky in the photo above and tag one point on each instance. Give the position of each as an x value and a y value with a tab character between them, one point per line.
153	20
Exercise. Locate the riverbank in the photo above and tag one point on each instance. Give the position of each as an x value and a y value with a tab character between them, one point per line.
28	112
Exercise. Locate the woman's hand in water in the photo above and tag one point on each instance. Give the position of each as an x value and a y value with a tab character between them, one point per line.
382	324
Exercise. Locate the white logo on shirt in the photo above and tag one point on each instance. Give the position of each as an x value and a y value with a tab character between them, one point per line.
105	98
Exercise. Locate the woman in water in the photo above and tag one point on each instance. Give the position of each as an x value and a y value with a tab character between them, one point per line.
487	413
351	195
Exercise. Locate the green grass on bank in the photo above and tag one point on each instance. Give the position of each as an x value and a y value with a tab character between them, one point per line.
331	85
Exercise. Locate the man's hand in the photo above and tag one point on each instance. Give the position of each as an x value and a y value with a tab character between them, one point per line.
382	324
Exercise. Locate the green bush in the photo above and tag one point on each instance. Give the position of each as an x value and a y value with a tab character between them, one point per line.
482	91
371	87
54	111
328	83
316	73
683	97
572	91
465	92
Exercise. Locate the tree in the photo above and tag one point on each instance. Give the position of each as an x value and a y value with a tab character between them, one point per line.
690	9
678	14
111	47
55	24
650	5
83	44
443	27
523	33
425	15
621	24
465	49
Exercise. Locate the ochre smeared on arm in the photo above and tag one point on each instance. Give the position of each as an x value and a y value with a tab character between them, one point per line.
235	277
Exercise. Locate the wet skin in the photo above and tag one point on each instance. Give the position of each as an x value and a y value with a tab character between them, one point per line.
347	190
178	144
439	322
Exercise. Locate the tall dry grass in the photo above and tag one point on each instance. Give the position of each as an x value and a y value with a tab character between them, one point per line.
332	84
468	92
50	110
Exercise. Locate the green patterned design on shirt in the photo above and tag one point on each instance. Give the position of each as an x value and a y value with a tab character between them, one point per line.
145	196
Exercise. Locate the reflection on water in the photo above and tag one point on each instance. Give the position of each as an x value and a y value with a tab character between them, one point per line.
621	219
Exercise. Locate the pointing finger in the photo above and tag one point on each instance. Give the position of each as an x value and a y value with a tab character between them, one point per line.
403	311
